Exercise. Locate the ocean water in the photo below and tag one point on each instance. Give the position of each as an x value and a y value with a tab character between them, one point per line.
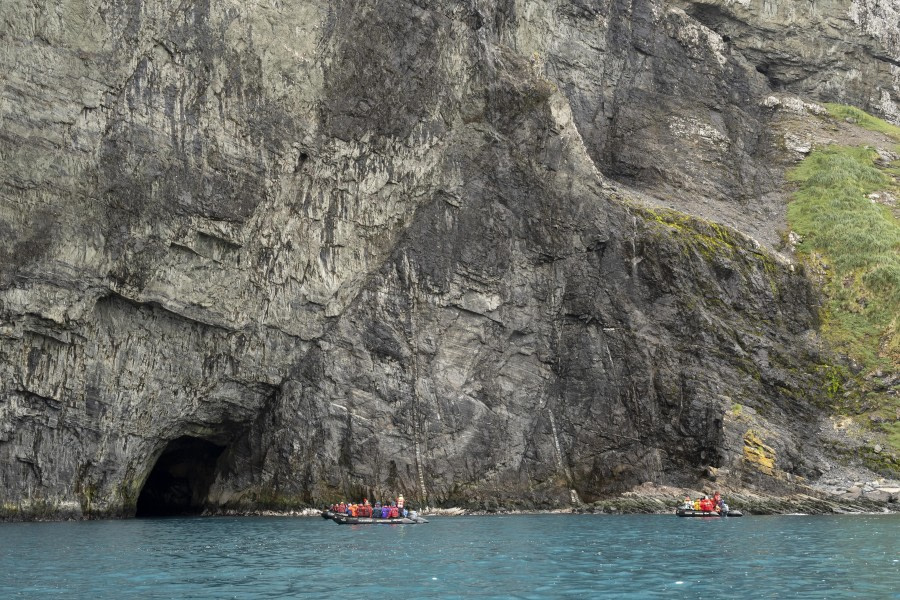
523	556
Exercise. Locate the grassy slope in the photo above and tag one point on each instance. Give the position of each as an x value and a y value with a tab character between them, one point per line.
856	242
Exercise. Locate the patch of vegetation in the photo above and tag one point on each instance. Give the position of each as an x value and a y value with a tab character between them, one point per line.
758	452
858	244
711	238
833	377
863	119
883	463
893	434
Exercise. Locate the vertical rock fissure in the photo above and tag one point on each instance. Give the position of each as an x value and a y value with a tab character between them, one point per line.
634	257
412	286
559	460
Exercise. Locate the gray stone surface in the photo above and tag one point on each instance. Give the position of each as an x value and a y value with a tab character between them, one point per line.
377	247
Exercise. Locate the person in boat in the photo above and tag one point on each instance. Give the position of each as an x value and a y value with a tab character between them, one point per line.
401	506
688	503
696	504
385	512
717	501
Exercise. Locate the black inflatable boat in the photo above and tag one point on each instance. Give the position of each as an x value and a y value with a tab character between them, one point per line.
690	512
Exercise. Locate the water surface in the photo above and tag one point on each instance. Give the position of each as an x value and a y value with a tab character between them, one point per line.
536	556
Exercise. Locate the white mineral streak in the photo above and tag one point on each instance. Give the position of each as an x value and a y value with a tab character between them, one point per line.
695	129
698	40
793	104
559	460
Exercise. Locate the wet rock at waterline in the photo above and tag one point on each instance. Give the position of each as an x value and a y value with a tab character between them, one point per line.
267	256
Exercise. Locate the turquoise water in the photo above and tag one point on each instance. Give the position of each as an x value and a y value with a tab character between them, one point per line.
537	556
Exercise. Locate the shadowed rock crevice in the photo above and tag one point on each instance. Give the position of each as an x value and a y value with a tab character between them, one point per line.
179	482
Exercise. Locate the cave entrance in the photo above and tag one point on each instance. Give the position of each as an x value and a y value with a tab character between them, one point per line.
180	480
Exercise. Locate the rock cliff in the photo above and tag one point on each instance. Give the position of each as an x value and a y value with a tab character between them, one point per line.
266	254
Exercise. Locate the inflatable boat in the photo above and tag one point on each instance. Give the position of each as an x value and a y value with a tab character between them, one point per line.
348	520
690	512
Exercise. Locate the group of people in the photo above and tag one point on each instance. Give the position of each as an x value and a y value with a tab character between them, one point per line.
706	504
389	510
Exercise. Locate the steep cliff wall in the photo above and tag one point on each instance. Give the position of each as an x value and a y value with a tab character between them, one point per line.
668	95
371	246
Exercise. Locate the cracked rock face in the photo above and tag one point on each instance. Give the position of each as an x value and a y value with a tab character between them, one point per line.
376	247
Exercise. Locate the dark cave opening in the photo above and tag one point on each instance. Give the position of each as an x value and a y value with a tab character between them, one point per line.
180	480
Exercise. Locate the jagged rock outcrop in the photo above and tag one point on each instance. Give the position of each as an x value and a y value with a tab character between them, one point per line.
360	246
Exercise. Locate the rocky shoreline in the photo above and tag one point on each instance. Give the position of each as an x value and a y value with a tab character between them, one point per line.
799	504
862	498
871	499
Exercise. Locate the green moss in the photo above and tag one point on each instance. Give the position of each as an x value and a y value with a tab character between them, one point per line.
88	492
715	244
863	119
882	463
859	242
711	241
892	431
127	493
9	511
833	378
